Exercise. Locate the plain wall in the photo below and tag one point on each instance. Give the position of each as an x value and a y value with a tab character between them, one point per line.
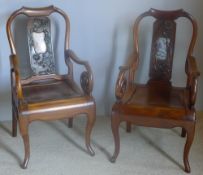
101	33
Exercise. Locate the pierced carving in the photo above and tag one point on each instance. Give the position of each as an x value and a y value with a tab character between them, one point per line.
40	46
162	50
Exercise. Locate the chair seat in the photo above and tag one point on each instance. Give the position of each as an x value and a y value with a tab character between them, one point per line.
54	96
50	90
158	101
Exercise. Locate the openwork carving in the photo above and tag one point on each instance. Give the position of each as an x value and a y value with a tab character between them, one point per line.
40	46
162	49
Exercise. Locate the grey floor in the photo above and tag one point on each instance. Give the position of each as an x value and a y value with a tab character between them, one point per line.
58	150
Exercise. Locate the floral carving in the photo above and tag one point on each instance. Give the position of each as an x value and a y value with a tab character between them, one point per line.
41	58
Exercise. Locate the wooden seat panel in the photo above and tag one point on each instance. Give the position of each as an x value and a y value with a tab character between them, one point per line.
51	90
158	102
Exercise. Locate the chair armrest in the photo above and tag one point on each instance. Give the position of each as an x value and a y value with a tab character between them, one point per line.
86	77
192	75
191	69
15	75
125	86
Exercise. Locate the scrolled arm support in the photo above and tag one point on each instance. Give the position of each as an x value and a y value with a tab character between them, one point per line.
192	75
86	77
121	83
124	85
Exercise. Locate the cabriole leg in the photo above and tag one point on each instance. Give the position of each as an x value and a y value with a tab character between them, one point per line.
23	124
115	122
91	117
189	140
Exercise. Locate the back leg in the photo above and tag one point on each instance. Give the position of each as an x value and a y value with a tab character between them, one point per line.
14	120
70	122
128	127
183	133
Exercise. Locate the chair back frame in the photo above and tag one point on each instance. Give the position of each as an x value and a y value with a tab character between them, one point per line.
39	12
164	29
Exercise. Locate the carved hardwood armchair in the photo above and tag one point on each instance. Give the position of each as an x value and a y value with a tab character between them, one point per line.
46	95
158	103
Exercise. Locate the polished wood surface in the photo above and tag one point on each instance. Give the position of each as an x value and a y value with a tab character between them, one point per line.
157	103
51	96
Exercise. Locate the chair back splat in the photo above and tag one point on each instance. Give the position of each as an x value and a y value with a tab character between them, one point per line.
163	41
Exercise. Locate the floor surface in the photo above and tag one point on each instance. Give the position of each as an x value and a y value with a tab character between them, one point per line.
59	150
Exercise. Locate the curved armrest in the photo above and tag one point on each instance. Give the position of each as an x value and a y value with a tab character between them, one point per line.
16	75
192	67
86	77
192	75
124	85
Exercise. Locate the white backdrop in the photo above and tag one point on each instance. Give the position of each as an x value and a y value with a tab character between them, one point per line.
101	33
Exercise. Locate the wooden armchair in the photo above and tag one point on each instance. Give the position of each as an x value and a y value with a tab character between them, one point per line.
46	95
158	103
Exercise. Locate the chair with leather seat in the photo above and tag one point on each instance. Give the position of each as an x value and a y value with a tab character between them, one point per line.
158	103
45	94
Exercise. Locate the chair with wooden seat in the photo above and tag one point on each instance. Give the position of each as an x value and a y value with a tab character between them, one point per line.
45	94
158	103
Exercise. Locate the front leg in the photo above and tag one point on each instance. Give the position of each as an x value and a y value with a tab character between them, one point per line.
23	124
115	122
91	117
189	140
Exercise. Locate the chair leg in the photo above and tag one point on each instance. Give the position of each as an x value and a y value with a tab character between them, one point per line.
128	127
14	122
189	140
91	117
27	151
115	122
23	124
70	122
183	132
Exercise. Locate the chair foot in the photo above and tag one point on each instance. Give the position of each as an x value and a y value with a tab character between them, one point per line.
189	140
70	122
90	151
91	117
115	122
113	159
183	133
27	151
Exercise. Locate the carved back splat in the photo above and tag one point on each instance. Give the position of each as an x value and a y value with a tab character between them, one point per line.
163	42
162	50
40	46
41	55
